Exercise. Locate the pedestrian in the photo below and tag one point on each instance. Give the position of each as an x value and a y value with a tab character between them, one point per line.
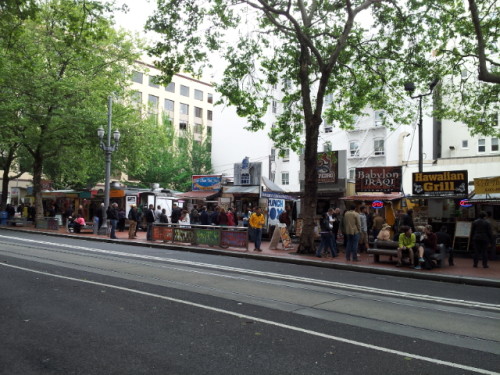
121	220
204	217
256	222
230	217
163	216
378	222
406	243
185	220
286	217
158	213
176	214
100	214
482	237
407	219
132	222
222	217
326	235
363	236
150	219
194	217
352	228
214	217
112	214
443	238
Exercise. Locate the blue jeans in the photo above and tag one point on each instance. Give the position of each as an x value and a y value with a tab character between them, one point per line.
326	242
351	248
257	235
113	228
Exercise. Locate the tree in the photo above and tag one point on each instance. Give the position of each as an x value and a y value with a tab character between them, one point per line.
360	52
67	60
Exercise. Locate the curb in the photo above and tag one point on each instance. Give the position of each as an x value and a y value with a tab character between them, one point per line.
271	258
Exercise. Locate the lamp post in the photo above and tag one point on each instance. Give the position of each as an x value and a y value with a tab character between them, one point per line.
410	87
108	149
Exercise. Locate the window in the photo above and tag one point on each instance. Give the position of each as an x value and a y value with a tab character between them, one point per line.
209	115
286	155
494	144
153	103
184	109
170	87
137	76
352	173
275	106
198	112
169	105
465	143
378	146
273	154
328	128
183	125
285	178
136	98
184	91
198	94
379	118
327	146
210	98
481	145
354	149
328	98
153	81
209	130
198	128
245	179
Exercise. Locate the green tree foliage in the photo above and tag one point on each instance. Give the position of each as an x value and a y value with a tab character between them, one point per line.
171	158
358	51
67	60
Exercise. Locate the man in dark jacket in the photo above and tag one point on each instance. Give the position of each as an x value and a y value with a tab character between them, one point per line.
112	214
204	218
176	214
150	219
482	236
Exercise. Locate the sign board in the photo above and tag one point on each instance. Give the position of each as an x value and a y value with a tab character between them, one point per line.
463	230
327	167
281	233
274	208
206	182
487	185
440	183
379	179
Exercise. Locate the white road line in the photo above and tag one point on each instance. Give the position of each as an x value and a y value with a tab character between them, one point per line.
333	284
269	322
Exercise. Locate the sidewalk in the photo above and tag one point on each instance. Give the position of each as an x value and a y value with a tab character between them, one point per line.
461	272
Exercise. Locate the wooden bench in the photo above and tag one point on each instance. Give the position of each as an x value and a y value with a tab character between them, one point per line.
389	248
86	227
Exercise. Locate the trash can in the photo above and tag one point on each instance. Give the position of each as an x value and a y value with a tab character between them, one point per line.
3	217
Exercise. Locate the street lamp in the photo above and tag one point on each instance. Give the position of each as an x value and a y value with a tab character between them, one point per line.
108	149
410	87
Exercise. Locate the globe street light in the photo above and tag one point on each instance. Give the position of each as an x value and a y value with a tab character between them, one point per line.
410	87
108	149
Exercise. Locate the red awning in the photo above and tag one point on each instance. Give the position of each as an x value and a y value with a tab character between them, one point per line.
374	197
197	194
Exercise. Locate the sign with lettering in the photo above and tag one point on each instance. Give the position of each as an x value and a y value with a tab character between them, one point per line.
233	239
440	183
163	233
379	179
183	235
487	185
327	167
207	182
275	208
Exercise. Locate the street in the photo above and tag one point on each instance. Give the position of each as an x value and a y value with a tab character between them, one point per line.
83	307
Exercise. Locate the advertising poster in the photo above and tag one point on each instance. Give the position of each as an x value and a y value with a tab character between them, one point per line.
440	183
379	179
275	208
327	167
207	182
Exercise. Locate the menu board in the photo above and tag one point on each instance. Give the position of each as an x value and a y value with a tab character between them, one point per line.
463	229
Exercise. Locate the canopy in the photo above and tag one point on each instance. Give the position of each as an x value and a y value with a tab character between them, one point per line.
242	190
197	194
271	185
374	197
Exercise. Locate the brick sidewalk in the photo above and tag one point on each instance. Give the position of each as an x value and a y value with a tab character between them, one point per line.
460	271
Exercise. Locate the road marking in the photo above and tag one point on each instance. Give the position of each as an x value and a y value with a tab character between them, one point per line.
268	322
324	283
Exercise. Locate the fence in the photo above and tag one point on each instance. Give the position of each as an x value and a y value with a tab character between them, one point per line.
210	235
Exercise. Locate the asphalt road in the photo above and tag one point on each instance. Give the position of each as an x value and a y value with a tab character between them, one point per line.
79	307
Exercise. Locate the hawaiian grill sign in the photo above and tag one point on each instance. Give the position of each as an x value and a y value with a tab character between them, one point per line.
379	179
440	183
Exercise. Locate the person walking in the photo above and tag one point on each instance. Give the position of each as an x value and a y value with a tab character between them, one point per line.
326	235
150	219
256	222
133	218
352	228
112	214
482	237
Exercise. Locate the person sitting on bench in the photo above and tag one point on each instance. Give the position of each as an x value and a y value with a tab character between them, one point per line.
78	223
407	242
427	248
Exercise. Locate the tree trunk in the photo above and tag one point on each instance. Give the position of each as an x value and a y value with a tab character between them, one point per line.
309	200
37	189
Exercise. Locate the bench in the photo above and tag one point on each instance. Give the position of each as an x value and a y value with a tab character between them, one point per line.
18	221
86	227
390	248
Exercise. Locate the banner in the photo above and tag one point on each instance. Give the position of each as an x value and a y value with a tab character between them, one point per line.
275	208
379	179
441	183
327	167
207	182
487	185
